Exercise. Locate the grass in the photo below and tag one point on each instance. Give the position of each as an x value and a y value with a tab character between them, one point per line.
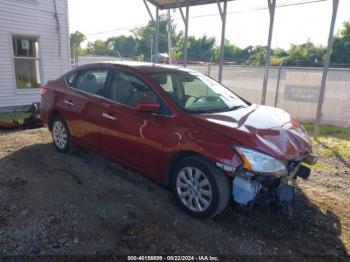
321	166
19	117
333	142
326	130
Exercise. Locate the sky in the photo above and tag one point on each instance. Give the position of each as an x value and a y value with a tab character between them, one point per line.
100	19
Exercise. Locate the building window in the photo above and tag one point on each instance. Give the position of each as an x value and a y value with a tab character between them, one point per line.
27	61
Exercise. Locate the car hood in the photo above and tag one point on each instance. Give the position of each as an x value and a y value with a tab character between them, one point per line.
268	129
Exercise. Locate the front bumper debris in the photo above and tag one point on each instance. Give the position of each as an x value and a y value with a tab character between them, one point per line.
262	190
311	159
285	196
244	189
303	172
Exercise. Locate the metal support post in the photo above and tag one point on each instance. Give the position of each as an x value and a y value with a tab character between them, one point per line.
170	44
186	33
223	14
156	39
148	10
185	20
154	23
272	8
325	69
278	83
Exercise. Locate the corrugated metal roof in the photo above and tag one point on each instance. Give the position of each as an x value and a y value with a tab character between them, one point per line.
166	4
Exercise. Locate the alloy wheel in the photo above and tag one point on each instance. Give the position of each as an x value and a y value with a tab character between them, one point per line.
193	189
60	135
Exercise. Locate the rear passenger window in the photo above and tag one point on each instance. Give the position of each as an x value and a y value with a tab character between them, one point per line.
92	81
70	79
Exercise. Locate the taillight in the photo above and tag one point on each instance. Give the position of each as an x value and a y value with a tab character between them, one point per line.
43	89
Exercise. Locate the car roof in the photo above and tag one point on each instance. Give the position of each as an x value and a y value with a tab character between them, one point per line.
144	66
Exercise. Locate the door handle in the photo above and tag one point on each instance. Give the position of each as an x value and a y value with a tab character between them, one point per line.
108	116
68	103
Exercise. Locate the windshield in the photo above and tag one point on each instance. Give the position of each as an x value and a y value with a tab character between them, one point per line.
197	93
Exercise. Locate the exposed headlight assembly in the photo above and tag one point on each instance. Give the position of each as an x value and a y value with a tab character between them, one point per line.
261	163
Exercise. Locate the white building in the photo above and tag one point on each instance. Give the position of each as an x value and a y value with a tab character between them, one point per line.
34	48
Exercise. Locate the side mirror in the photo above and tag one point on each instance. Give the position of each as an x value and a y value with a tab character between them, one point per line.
148	106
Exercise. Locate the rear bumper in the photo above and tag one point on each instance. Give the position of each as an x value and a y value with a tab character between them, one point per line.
44	115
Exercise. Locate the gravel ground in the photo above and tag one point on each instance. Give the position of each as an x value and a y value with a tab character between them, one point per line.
80	203
338	177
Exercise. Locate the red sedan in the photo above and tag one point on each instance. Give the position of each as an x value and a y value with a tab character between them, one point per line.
180	128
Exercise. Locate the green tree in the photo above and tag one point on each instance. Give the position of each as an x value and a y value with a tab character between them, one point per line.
278	55
76	39
230	52
144	37
341	45
305	54
138	46
256	55
200	49
279	52
99	47
124	46
233	53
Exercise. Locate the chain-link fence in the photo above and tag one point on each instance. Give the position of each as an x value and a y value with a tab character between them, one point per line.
298	89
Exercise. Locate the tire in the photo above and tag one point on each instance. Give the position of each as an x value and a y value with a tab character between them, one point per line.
189	189
61	135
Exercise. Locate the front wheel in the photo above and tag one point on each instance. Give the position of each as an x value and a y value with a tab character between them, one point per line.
201	189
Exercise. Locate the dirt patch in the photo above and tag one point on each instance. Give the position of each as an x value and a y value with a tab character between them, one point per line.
81	203
333	168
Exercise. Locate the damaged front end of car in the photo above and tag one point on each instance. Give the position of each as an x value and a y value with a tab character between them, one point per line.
263	179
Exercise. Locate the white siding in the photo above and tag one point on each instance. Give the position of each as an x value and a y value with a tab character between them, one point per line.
33	18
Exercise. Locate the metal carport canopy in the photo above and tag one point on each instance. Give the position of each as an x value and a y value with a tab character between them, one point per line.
169	4
222	5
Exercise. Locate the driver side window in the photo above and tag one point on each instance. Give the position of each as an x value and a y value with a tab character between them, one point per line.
196	88
127	89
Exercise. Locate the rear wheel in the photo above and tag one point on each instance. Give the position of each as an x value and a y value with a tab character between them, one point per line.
61	135
201	189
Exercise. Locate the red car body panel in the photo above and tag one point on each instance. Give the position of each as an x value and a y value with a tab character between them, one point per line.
279	135
148	142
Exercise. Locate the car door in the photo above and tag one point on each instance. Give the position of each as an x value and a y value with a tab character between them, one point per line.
86	100
70	105
127	134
